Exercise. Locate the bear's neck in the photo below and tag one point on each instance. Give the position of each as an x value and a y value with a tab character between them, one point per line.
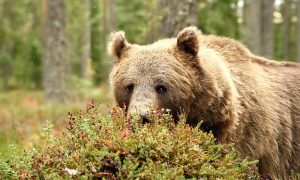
221	118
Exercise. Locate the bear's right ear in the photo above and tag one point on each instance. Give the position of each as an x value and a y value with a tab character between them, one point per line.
188	40
117	44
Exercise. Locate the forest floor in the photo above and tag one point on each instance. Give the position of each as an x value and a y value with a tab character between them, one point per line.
23	114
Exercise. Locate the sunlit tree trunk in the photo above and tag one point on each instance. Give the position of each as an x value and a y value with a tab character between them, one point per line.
298	31
267	28
176	15
252	14
112	15
43	16
54	53
86	41
286	29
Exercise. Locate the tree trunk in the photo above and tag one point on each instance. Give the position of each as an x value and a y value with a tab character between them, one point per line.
259	32
97	42
267	28
5	76
105	21
108	25
286	29
108	17
298	36
112	15
86	41
54	53
154	22
177	14
6	66
252	15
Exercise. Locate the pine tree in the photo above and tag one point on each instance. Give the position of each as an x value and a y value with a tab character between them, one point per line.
54	57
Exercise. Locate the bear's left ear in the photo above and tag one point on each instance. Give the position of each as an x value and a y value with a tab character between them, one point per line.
188	40
117	44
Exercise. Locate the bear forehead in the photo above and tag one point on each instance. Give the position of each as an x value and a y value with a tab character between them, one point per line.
148	64
148	57
162	47
155	61
144	64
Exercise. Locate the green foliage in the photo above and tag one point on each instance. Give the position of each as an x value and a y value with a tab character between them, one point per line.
133	19
219	17
74	30
98	43
295	175
21	33
20	42
117	147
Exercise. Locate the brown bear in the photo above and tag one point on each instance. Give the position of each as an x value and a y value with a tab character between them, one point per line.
242	98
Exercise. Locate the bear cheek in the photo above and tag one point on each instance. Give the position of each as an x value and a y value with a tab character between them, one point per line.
122	98
123	103
171	104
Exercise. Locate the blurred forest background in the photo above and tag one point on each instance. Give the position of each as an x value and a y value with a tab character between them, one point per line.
53	55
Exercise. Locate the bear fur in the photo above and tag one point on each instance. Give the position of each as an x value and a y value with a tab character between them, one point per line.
242	98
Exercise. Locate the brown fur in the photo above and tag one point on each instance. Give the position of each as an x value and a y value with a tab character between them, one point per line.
242	98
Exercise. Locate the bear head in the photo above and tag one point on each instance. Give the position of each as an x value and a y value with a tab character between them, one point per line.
167	74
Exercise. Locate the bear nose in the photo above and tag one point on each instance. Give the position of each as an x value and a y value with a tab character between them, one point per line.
144	119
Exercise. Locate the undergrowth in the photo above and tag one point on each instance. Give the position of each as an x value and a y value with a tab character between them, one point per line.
117	147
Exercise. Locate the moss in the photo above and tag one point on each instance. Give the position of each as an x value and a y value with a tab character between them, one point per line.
115	147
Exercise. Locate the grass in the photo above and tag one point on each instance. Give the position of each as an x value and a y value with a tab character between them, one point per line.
23	114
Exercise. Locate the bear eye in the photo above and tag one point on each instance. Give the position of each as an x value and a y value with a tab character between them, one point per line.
160	89
130	88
